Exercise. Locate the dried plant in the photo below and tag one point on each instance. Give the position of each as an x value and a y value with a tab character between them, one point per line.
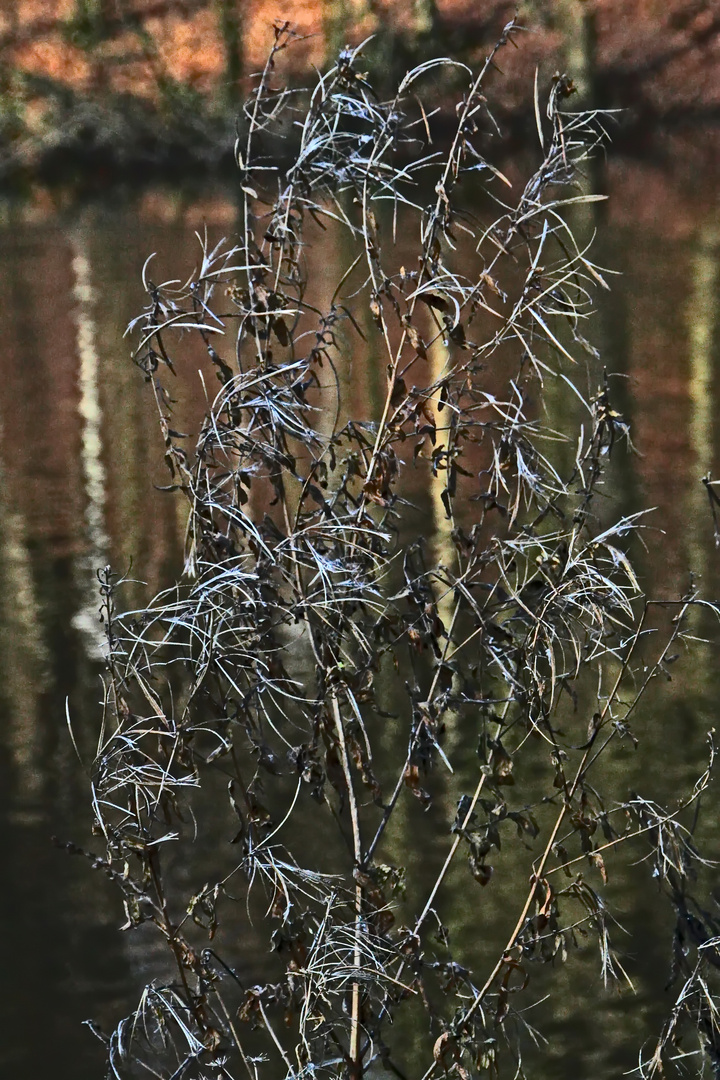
310	623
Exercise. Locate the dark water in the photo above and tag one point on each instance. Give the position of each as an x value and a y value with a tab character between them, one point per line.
79	454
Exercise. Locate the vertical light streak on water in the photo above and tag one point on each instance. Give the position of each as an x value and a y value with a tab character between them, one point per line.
25	661
702	321
93	470
340	19
443	548
578	21
424	17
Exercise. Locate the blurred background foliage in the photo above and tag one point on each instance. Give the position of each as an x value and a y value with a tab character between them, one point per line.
94	88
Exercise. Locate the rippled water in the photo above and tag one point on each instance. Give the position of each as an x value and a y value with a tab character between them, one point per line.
79	454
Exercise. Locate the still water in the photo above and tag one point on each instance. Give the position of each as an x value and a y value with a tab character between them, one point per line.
79	455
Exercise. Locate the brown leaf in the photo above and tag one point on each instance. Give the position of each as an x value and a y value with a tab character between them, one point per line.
416	341
434	301
491	284
502	765
597	860
481	871
281	331
411	776
445	1046
399	393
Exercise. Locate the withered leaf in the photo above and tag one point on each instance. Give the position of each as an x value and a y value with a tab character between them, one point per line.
416	341
411	776
281	331
481	871
432	300
399	393
597	861
502	765
445	1048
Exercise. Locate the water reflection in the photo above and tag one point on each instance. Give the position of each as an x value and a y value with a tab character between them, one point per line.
79	455
703	333
93	467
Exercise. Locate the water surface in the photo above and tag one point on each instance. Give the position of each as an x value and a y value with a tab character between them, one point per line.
79	457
